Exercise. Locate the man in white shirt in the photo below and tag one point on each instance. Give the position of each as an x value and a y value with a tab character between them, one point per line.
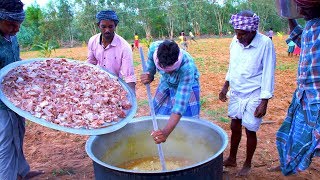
251	80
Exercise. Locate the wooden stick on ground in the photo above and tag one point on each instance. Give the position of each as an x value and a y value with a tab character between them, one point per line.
268	122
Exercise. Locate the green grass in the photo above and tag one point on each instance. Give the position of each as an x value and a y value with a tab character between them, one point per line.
204	100
223	119
62	172
136	63
143	102
200	63
218	114
287	66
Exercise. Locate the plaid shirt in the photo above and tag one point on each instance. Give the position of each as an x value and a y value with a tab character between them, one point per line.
9	53
308	78
182	79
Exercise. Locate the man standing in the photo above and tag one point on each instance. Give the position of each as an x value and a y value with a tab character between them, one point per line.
13	164
110	51
251	80
298	139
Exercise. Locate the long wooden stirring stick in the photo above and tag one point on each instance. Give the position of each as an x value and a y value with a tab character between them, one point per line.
154	121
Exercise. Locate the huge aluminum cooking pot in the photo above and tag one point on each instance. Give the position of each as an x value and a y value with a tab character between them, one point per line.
200	140
288	9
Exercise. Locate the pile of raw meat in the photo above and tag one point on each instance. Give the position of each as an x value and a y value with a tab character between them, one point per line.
67	93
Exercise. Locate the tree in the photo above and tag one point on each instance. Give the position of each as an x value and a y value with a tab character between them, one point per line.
30	32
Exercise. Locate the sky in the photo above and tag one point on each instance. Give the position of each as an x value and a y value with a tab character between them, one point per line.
27	3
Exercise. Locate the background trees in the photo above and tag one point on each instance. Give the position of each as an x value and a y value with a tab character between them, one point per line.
72	22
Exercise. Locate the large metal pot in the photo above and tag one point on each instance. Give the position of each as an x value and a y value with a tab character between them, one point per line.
200	140
288	9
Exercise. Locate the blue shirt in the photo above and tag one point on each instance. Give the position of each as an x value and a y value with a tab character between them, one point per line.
182	79
308	77
9	53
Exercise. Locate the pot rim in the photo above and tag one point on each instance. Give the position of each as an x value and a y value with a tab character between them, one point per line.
207	123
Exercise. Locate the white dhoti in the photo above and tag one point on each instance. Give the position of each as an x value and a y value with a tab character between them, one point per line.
243	106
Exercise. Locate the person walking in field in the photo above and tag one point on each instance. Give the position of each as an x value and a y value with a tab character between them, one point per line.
183	41
136	40
298	138
291	46
250	78
13	164
270	33
110	51
296	51
191	36
178	92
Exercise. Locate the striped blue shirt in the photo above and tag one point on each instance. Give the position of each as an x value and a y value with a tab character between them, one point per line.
9	53
308	77
182	79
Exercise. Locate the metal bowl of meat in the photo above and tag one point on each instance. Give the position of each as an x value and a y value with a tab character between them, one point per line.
288	9
67	95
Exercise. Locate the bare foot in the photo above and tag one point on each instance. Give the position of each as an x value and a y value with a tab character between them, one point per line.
274	169
33	174
244	171
230	162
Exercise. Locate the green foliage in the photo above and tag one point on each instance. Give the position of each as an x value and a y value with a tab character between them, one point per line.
146	42
280	34
44	48
74	21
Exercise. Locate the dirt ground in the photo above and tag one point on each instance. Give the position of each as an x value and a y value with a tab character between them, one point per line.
62	155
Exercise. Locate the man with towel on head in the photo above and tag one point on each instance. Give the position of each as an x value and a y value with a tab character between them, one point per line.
298	139
178	92
251	80
13	164
110	51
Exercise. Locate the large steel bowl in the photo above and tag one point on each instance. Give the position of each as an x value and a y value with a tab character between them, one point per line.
288	9
199	140
107	128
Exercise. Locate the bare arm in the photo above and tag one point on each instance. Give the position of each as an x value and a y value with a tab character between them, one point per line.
223	92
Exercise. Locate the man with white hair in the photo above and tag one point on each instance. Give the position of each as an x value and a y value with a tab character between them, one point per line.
13	164
251	80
